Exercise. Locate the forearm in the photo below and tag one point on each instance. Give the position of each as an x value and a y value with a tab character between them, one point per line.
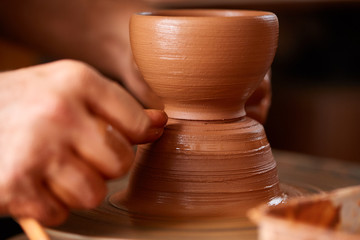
63	28
43	24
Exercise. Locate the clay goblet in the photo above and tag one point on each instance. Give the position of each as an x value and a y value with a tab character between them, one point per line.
212	159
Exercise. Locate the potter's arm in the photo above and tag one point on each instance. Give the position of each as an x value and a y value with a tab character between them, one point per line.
59	27
94	31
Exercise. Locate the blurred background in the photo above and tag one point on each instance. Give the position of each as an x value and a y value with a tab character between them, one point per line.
316	73
315	81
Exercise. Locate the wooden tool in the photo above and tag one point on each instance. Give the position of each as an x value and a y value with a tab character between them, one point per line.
33	229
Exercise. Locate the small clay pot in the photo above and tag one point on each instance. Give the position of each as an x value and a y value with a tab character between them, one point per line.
329	216
212	160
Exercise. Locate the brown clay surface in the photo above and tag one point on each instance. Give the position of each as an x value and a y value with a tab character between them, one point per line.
204	64
202	169
212	160
322	213
326	216
301	174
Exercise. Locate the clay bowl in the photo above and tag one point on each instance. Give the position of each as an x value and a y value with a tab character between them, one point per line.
331	216
204	64
211	161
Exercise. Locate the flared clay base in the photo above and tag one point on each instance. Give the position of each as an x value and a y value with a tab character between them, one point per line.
202	169
300	175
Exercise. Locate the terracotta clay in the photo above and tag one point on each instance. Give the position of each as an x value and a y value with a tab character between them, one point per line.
202	168
305	174
330	216
212	160
204	64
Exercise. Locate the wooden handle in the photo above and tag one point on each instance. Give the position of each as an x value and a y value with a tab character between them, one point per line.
33	229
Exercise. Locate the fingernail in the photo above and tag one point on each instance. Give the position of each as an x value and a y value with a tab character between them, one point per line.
158	118
164	118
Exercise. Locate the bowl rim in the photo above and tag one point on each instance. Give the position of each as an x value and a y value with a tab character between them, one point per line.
205	13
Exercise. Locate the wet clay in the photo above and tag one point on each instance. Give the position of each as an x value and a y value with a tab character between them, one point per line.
202	169
299	175
204	64
212	159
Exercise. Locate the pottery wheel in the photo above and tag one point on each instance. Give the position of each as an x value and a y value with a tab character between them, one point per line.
299	175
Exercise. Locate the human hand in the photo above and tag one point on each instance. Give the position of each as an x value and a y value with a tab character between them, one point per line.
93	31
110	41
257	106
55	137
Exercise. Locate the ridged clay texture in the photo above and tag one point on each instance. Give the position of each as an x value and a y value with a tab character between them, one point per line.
212	160
204	64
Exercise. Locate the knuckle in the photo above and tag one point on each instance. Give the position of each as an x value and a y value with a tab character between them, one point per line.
75	74
10	180
95	197
93	191
71	66
57	109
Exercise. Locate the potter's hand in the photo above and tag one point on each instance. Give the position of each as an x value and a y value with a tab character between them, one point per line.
94	31
257	106
108	48
54	151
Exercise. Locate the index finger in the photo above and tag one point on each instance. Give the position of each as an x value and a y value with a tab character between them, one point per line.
115	105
